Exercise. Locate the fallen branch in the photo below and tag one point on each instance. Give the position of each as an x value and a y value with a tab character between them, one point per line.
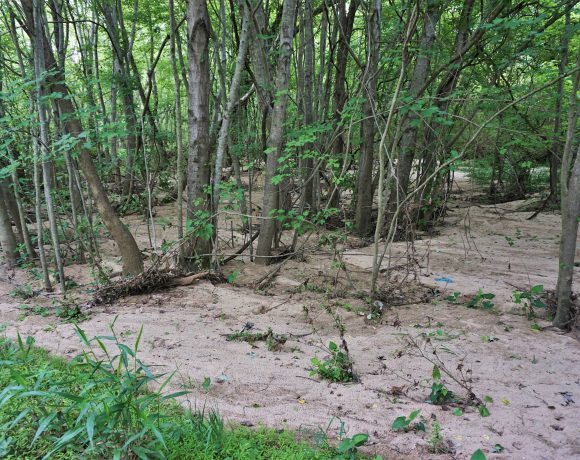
242	249
151	280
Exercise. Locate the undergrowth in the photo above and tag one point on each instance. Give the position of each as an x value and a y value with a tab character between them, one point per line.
100	405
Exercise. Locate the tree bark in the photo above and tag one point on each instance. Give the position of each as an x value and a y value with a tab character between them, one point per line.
39	71
198	170
178	135
364	190
570	207
7	238
231	102
409	130
275	141
556	150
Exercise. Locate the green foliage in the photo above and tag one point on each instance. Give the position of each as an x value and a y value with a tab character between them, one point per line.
453	297
408	423
440	394
200	226
101	406
336	368
481	299
347	449
530	299
109	410
478	455
437	443
23	291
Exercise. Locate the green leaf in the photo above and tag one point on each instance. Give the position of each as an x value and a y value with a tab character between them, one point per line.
457	411
413	415
478	455
400	423
483	410
436	373
91	428
138	341
359	439
43	425
537	289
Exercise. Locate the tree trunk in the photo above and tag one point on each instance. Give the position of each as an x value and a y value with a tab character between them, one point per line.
570	206
556	150
198	170
275	141
132	262
339	97
7	238
39	70
308	174
231	102
410	128
364	190
178	136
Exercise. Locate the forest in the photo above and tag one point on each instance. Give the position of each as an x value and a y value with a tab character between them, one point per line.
289	229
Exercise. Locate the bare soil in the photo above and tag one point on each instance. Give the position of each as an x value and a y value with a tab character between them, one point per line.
532	376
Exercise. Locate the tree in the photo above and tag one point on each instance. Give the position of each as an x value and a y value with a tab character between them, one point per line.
275	141
364	199
200	230
132	262
570	209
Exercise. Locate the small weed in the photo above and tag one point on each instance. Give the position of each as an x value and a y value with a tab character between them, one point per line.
441	334
232	276
407	424
24	292
437	444
348	447
69	312
440	394
481	300
273	341
336	368
453	297
478	455
530	299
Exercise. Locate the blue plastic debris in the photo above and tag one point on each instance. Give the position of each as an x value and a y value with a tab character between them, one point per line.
444	280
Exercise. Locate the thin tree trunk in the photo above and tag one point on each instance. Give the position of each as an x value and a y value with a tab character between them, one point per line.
556	150
275	141
39	70
364	200
409	131
7	238
22	215
570	207
308	173
231	102
345	22
178	135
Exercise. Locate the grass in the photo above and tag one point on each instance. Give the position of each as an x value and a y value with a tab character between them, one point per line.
99	406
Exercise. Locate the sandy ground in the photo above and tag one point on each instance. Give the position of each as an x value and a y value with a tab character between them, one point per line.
532	376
